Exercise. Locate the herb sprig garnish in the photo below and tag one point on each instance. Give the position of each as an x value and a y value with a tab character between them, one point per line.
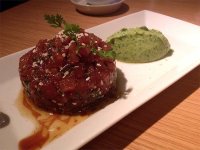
57	21
106	54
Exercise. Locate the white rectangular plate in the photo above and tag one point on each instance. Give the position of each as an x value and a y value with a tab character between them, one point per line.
146	80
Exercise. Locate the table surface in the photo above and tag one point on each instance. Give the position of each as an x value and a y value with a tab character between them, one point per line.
171	120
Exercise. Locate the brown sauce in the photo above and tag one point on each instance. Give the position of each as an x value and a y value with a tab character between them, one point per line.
48	126
4	120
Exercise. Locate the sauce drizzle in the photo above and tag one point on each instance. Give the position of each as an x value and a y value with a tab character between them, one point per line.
48	126
4	120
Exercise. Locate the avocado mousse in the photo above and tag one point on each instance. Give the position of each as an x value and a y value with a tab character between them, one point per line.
139	45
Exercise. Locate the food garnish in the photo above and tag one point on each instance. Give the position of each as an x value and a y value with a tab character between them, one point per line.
57	21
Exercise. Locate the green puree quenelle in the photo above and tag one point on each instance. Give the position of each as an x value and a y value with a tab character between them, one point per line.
139	45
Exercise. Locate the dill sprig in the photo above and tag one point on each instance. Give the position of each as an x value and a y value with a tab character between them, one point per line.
57	21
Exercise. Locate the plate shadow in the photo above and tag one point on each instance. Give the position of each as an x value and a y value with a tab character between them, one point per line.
132	126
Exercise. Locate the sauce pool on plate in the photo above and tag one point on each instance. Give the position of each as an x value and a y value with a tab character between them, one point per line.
48	126
4	120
